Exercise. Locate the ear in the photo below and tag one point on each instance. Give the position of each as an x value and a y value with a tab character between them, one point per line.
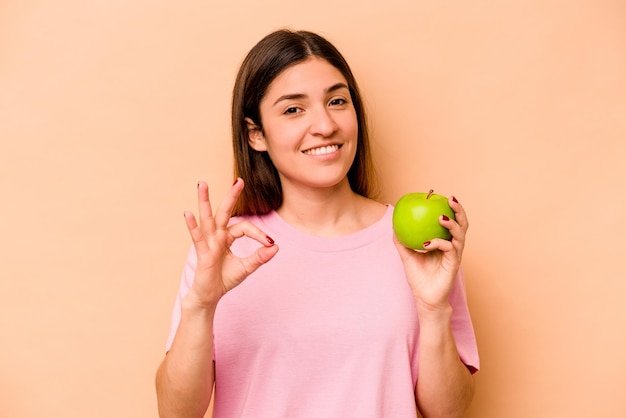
255	136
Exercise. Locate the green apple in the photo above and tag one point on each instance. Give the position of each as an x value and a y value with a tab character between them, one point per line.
416	219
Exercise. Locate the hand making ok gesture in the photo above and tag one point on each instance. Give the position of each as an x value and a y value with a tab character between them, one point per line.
218	270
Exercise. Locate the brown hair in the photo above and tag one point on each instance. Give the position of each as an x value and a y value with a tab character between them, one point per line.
265	61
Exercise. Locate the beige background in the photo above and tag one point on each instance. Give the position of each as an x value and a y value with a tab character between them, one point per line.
110	111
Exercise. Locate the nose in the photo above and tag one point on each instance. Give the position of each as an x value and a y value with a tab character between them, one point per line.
322	122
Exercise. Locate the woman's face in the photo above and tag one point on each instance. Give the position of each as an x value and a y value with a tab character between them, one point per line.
310	127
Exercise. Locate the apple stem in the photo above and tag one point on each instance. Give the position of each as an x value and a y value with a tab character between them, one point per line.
430	192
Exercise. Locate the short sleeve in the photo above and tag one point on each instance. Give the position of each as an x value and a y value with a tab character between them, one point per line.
185	284
462	327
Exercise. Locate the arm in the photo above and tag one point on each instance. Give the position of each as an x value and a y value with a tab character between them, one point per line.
185	378
444	385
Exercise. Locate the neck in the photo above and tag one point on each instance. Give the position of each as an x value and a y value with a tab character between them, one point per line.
330	211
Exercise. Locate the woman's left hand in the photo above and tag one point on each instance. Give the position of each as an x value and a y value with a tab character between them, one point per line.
431	274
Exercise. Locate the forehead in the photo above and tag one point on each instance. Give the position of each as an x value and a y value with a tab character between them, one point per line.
305	77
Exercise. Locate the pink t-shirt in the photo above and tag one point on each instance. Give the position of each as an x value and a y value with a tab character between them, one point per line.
328	328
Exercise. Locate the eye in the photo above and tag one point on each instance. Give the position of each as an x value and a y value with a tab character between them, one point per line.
339	101
292	110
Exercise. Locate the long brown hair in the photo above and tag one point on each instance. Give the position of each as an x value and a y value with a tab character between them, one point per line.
265	61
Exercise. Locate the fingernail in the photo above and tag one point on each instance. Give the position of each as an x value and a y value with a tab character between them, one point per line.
445	218
426	244
198	185
454	199
236	180
269	239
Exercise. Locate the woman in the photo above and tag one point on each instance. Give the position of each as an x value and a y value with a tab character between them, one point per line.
342	320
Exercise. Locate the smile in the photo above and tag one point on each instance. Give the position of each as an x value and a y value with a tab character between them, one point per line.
329	149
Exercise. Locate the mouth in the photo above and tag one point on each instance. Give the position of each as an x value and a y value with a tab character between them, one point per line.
328	149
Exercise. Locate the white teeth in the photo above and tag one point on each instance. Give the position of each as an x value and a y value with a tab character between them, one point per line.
322	150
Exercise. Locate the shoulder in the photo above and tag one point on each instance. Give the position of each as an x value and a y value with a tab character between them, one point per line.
371	211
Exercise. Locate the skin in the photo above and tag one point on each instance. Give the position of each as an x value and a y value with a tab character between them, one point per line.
308	107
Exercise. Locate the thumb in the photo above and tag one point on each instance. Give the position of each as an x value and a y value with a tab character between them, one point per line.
261	256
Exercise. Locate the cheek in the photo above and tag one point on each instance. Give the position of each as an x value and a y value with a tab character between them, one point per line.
287	135
349	122
351	129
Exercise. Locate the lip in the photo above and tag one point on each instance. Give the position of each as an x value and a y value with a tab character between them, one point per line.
322	150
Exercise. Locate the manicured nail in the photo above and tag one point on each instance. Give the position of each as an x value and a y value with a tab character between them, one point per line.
236	181
269	239
445	218
426	244
198	185
454	199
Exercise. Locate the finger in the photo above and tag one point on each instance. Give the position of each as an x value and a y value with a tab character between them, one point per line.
261	256
457	232
225	209
197	236
404	251
459	212
205	212
441	245
450	254
250	230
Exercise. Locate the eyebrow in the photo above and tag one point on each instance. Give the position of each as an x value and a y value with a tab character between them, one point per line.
293	96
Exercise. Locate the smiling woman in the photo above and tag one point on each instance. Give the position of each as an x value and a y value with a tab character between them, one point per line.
108	107
310	137
261	69
336	322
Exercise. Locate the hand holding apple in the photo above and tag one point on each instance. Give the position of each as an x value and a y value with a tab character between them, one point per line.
430	274
416	219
